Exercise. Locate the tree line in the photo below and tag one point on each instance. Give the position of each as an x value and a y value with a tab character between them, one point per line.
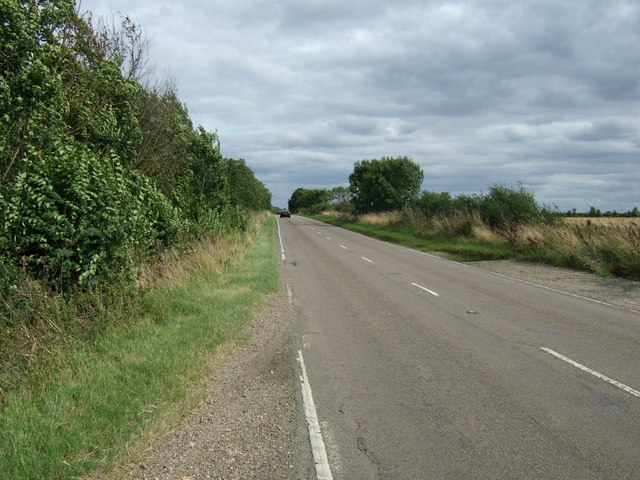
97	167
393	183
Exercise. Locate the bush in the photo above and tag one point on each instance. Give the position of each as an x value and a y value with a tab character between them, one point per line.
504	206
71	217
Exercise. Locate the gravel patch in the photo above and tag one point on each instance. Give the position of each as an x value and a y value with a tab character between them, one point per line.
614	291
250	425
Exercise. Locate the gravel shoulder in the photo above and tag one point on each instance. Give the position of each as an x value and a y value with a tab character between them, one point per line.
250	424
620	292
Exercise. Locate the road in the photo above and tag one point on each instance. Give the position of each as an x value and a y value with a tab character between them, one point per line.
426	368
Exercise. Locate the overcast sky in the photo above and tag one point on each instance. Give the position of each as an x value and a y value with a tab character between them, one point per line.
478	92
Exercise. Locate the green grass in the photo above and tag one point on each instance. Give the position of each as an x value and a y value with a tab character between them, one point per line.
458	248
122	389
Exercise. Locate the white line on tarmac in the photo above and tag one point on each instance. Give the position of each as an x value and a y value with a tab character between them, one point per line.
521	280
342	246
328	238
367	260
323	472
425	289
618	384
280	237
289	293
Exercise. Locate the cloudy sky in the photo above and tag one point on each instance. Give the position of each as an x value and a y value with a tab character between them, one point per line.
478	92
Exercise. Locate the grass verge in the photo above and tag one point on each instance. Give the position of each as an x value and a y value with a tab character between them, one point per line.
119	390
458	248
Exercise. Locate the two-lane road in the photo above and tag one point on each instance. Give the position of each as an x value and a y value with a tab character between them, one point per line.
426	368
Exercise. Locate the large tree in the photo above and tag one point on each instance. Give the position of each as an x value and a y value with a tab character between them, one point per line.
384	184
304	198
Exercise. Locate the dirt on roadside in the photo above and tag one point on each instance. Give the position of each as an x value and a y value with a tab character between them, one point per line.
250	424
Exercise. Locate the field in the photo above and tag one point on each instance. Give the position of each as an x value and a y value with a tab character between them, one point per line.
607	221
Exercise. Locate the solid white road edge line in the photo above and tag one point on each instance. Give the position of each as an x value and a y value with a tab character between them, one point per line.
280	238
323	472
425	289
366	259
618	384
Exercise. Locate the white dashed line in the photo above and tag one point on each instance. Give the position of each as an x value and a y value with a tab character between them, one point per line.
367	260
618	384
425	289
342	246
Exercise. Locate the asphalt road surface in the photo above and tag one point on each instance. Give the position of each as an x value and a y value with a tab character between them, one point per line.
426	368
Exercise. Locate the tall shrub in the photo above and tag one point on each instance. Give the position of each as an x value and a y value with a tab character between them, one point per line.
72	217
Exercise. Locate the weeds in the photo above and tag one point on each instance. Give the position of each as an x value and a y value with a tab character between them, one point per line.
82	382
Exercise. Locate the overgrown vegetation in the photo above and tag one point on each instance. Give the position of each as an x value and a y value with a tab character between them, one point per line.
103	178
95	169
110	396
122	227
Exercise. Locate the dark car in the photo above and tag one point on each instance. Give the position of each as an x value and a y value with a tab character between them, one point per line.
285	213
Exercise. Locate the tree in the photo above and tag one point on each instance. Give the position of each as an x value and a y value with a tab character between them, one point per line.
303	198
245	189
339	195
504	205
433	203
384	184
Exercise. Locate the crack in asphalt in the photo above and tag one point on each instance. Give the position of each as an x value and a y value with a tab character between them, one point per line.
362	446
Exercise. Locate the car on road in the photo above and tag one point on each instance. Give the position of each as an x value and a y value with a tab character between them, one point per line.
285	213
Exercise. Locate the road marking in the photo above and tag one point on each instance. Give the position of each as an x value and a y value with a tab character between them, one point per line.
342	246
519	280
289	293
425	289
323	472
367	260
328	238
280	237
618	384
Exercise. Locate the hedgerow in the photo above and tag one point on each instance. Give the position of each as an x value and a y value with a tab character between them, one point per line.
99	173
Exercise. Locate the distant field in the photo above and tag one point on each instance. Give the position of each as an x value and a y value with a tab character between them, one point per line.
617	221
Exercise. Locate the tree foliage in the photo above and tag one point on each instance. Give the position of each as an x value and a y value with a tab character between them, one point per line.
384	184
498	208
95	169
305	199
245	189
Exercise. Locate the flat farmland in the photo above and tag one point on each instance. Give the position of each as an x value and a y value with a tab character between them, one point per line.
606	221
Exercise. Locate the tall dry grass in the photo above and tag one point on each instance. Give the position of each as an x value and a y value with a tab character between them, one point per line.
38	325
605	247
209	256
466	224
